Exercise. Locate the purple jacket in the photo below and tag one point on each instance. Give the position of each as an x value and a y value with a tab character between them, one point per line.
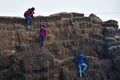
42	32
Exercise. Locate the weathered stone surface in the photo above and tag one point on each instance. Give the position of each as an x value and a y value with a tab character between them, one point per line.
77	14
62	14
111	23
117	63
21	57
82	19
95	19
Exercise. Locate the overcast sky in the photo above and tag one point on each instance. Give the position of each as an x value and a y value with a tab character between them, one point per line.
105	9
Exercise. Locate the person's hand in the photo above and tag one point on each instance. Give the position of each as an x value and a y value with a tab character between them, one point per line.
91	57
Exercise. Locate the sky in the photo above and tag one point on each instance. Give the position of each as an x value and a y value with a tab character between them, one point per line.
104	9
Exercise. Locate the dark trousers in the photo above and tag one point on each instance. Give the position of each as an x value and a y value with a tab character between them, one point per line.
42	40
28	20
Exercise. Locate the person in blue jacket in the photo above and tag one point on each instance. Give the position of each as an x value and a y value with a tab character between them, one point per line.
81	65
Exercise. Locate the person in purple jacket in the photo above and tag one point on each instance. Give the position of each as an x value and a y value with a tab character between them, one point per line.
42	34
81	65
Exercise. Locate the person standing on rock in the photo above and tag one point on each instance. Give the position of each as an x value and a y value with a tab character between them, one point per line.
42	34
81	65
28	16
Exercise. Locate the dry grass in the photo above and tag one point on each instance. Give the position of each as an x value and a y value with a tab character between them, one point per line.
50	38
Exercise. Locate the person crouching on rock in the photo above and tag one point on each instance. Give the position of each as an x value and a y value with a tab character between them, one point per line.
42	34
28	16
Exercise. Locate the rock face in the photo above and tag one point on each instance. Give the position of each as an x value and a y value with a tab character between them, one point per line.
21	57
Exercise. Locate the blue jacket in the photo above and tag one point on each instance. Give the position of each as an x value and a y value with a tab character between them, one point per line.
81	58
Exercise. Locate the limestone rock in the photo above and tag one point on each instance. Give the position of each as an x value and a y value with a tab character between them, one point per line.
95	19
22	58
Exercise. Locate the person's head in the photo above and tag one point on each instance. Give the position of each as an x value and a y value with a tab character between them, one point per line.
32	8
81	54
43	26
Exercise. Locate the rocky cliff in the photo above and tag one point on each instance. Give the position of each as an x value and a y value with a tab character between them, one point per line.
21	57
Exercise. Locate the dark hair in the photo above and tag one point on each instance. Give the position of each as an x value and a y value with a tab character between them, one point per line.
32	8
43	26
